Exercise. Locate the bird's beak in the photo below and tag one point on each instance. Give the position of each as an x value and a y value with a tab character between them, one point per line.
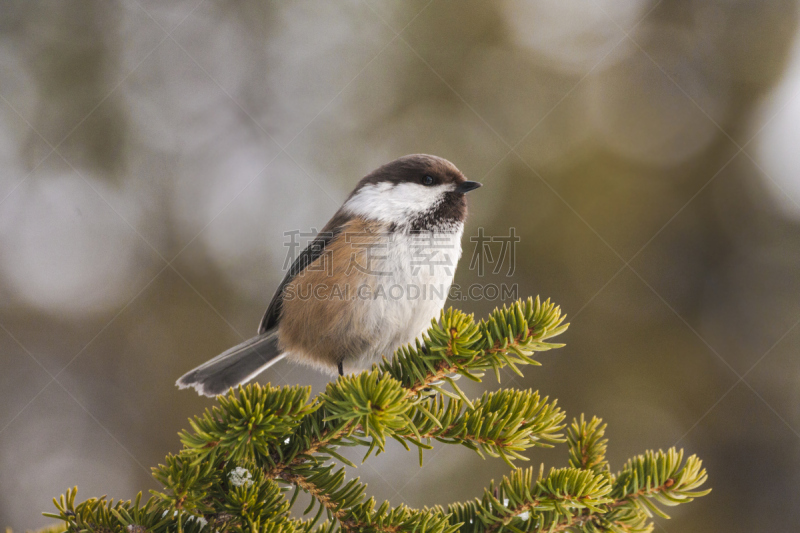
467	186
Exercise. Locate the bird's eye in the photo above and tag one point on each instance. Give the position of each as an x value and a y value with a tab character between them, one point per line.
427	180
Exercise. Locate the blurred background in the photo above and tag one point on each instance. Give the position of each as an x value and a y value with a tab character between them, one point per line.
153	155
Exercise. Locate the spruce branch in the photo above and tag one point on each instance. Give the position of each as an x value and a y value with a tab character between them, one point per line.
242	457
328	488
581	499
518	502
499	424
660	477
244	425
185	483
255	499
587	447
347	510
374	403
457	345
365	518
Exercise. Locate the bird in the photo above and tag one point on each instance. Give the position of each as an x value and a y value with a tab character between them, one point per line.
368	283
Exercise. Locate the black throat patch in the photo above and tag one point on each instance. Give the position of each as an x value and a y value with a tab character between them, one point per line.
450	211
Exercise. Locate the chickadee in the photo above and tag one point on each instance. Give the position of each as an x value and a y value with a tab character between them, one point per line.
369	282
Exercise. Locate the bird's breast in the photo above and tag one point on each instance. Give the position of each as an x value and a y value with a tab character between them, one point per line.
418	272
373	290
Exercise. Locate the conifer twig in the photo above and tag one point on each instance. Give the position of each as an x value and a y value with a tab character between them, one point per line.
240	455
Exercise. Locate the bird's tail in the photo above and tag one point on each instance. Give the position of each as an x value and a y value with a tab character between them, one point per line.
235	366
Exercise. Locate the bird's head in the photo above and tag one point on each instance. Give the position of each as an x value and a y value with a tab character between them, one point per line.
417	191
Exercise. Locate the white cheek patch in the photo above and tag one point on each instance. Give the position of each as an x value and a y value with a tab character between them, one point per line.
396	204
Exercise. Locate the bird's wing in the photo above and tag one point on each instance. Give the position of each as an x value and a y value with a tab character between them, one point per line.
306	257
